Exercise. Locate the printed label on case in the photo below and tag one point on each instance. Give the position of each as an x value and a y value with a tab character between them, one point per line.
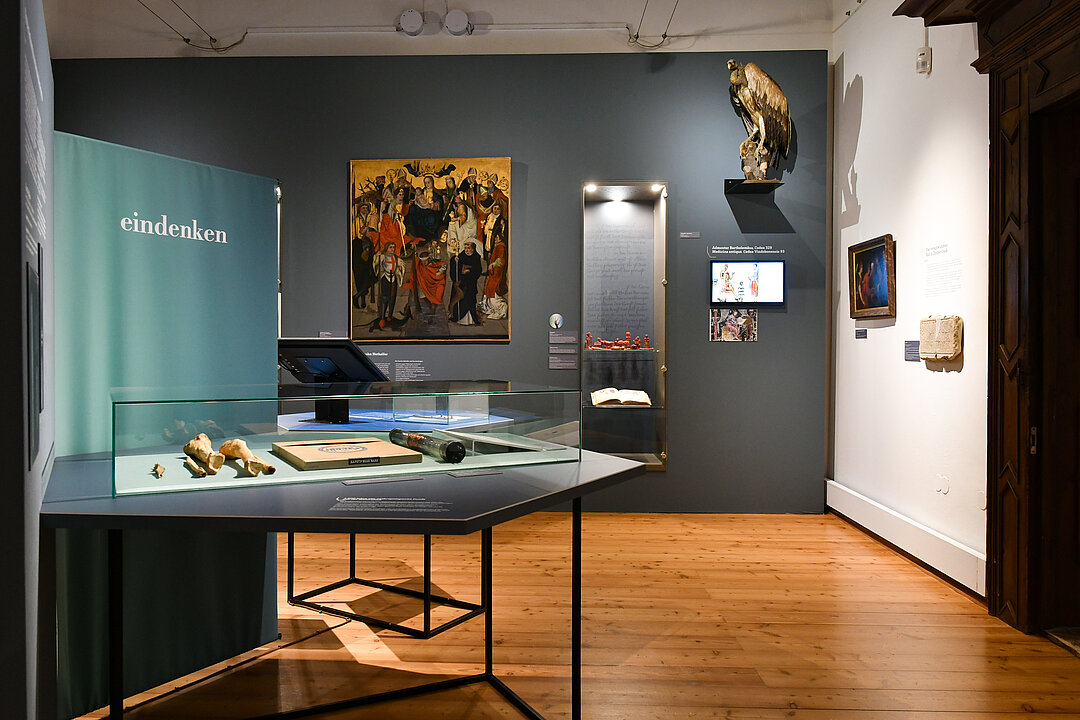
364	461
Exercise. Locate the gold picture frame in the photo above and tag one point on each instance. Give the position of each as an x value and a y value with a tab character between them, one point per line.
872	278
429	250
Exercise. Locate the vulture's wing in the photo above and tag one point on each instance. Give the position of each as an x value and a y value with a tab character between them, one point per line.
773	105
740	110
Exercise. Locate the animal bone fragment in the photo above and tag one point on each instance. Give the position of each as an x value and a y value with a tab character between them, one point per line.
158	470
238	449
200	448
194	467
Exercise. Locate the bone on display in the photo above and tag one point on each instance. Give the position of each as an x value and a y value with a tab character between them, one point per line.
199	447
239	450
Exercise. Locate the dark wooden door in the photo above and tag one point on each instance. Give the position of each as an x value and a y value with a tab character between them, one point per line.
1009	579
1056	236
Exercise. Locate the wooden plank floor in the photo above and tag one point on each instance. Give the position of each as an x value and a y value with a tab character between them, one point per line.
685	616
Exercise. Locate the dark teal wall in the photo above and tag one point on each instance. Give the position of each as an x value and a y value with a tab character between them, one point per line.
746	422
15	517
147	310
26	88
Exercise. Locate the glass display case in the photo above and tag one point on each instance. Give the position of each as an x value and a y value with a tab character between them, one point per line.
623	369
176	440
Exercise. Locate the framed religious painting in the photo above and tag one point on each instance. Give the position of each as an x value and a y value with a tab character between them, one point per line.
872	278
429	249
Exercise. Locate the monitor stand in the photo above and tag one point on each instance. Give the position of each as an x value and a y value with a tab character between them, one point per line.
332	410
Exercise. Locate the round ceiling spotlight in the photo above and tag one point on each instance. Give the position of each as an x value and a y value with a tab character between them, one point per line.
591	187
411	22
457	23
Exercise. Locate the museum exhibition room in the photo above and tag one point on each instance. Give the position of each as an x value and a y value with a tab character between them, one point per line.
613	359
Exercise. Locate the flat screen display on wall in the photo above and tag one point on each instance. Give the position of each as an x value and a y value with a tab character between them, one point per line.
745	283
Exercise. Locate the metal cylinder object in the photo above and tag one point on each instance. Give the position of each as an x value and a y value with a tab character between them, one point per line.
451	451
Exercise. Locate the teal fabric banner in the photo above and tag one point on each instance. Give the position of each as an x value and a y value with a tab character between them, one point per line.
165	277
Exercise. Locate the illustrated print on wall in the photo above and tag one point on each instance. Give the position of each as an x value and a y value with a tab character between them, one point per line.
763	108
872	278
34	353
429	249
733	325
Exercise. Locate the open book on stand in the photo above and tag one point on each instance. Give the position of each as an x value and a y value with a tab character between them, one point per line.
614	396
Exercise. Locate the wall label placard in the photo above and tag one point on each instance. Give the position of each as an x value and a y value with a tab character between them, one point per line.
382	361
562	362
689	235
716	250
860	333
943	270
911	350
565	337
405	370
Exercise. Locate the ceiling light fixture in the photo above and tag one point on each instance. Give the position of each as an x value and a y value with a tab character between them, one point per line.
411	22
457	23
657	187
590	188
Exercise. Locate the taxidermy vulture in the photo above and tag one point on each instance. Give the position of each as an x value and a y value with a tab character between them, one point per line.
763	107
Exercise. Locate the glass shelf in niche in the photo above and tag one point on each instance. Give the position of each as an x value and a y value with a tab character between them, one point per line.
613	379
624	299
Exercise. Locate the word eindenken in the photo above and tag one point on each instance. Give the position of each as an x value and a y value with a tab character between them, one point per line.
167	229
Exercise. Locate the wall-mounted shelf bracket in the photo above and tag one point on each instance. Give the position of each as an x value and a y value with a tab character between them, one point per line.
739	186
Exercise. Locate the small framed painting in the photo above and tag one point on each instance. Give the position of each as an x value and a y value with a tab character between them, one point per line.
872	278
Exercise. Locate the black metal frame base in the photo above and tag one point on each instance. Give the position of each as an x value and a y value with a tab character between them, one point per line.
116	634
303	599
513	698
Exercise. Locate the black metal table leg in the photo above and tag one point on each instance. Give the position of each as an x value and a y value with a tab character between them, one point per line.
427	585
116	624
352	556
575	610
485	597
289	594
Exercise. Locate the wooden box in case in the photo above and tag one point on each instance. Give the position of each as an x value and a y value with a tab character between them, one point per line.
342	453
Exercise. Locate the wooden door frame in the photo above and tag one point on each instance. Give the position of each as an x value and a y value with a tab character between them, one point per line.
1031	53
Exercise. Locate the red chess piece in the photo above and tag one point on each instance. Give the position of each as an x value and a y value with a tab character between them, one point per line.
647	346
588	340
637	343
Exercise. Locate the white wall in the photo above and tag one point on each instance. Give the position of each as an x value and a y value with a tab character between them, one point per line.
911	159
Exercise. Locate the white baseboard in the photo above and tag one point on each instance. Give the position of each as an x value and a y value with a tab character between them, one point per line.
952	559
